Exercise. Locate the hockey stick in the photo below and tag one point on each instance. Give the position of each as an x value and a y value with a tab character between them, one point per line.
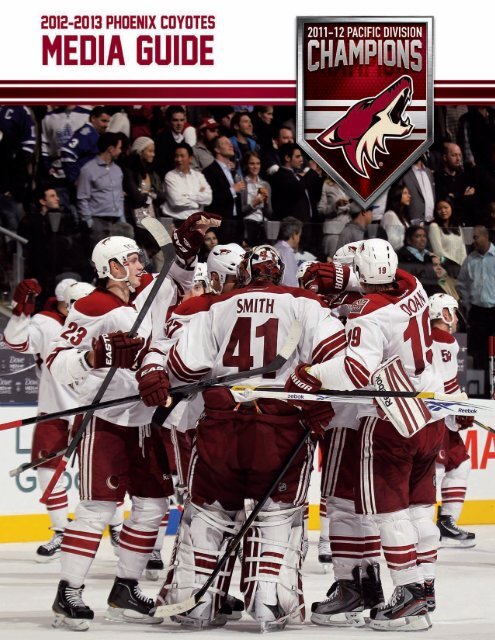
484	426
35	463
167	610
280	359
164	241
456	404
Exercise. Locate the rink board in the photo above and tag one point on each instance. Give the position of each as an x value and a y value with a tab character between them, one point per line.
23	518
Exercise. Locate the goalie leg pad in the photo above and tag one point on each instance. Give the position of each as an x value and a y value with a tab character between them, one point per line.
203	535
408	415
271	570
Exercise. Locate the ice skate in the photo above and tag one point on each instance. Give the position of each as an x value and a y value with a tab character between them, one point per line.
324	554
343	606
453	536
232	608
154	565
127	603
51	549
405	611
372	586
430	594
69	608
114	533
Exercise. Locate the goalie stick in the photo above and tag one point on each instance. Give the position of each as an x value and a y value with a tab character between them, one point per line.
280	359
164	241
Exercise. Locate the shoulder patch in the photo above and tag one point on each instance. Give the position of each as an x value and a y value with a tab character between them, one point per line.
358	306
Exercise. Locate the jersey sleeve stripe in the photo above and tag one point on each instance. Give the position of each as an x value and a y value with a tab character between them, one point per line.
358	374
53	355
181	371
329	347
22	346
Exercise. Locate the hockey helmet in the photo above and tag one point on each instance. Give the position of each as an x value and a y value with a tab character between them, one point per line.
201	275
345	255
62	286
440	301
261	263
302	268
224	259
375	262
75	291
117	248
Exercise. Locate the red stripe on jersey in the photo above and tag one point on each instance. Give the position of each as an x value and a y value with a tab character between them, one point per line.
181	371
22	346
53	355
357	372
329	347
451	386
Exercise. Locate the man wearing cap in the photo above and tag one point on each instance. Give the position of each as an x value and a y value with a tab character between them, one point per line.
359	227
206	132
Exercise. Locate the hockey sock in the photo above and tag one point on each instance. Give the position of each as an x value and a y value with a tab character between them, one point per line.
346	537
399	539
428	538
58	504
454	486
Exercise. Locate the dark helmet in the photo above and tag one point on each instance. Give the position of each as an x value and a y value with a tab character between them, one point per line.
260	263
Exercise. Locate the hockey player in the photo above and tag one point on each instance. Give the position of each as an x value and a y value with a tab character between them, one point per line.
26	333
240	446
354	540
453	462
396	474
119	452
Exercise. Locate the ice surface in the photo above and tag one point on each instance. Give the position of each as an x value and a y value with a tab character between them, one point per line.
465	596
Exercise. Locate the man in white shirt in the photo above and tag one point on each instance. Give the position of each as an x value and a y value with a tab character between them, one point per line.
187	190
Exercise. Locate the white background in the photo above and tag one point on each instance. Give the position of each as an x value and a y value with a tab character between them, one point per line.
253	40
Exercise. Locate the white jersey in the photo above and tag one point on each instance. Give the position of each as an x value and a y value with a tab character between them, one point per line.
445	351
245	329
27	334
382	325
102	312
57	128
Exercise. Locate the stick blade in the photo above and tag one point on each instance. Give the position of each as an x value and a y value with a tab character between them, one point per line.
292	340
167	610
157	230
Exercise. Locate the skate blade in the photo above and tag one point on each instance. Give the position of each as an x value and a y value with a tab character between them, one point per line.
408	623
273	626
151	574
114	614
74	624
45	559
450	543
234	616
347	619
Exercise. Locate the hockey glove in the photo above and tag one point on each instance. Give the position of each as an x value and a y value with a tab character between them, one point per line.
317	416
300	381
153	385
116	350
464	422
188	238
326	278
25	296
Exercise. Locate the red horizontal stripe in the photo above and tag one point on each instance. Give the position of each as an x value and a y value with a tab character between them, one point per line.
77	552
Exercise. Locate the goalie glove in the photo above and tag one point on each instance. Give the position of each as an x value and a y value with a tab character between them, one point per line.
188	238
116	350
326	278
24	298
153	385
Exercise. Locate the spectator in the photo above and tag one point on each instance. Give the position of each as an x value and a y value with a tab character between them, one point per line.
334	208
263	126
140	117
476	135
421	185
83	146
476	287
416	259
256	202
270	157
209	241
226	186
173	134
454	183
100	197
207	132
289	237
17	148
224	115
446	239
242	140
294	190
396	218
358	227
142	185
491	221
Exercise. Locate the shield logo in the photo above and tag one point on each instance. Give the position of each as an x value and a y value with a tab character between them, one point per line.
365	98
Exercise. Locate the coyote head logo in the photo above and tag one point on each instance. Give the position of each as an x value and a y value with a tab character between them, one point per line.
364	129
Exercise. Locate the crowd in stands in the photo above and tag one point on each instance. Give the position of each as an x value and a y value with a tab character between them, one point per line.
72	175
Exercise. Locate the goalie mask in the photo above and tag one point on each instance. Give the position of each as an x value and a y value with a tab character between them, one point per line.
76	291
440	301
116	248
261	263
375	262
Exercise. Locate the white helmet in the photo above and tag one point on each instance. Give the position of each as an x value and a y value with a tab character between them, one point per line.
224	260
201	275
302	268
75	291
375	261
345	255
440	301
61	287
113	248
